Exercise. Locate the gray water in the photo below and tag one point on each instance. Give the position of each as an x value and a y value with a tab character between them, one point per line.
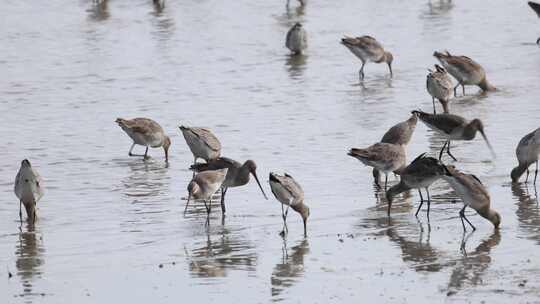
111	228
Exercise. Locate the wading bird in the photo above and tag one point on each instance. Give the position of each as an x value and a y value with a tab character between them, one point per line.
237	174
202	143
28	189
473	194
296	39
439	86
367	49
204	185
453	127
527	153
465	71
145	132
381	156
288	192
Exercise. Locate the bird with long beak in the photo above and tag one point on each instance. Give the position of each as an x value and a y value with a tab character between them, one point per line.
453	127
465	70
296	39
203	185
145	132
473	194
367	49
536	8
289	193
439	86
420	173
237	175
381	156
527	153
202	143
28	189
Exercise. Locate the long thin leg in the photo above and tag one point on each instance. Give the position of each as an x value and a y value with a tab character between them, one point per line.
527	176
462	216
34	215
187	203
428	201
362	71
433	100
421	202
131	150
146	153
442	150
285	219
535	173
448	151
20	210
385	180
223	191
455	89
463	86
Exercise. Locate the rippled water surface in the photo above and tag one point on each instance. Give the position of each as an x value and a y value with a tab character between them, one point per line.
112	229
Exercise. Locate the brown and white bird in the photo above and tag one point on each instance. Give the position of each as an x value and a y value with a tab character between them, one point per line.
420	173
367	49
439	86
28	189
465	70
203	185
453	127
145	132
289	193
202	143
473	194
237	174
399	134
381	156
536	8
296	39
527	152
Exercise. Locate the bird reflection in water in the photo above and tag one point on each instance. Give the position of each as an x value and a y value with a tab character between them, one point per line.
290	268
216	257
470	268
528	212
99	10
296	65
145	179
299	10
29	254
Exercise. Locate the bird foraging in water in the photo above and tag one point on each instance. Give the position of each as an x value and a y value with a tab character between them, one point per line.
465	70
145	132
288	192
453	127
204	185
536	8
237	174
296	39
439	86
381	156
473	194
399	134
420	173
28	189
527	153
202	143
367	48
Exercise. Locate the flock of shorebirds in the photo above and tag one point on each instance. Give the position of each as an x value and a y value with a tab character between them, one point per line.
219	173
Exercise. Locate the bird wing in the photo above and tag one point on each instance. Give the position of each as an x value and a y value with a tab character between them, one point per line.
215	164
536	7
444	122
18	188
369	45
399	134
39	185
207	137
463	63
289	184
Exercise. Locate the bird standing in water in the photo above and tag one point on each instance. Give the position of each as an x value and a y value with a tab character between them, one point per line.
204	185
381	156
527	153
296	39
367	48
237	174
439	86
145	132
28	189
202	143
288	192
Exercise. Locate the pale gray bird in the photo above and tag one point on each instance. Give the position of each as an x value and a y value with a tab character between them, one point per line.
28	189
237	174
147	133
381	156
204	185
527	153
296	39
473	194
367	49
202	143
465	70
439	86
289	193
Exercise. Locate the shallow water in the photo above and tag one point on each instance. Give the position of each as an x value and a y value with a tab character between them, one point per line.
112	228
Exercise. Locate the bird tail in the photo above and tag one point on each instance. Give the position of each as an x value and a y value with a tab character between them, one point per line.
422	115
200	167
358	153
347	41
121	122
440	55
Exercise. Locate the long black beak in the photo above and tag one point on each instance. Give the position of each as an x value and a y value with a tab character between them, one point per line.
488	144
258	183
